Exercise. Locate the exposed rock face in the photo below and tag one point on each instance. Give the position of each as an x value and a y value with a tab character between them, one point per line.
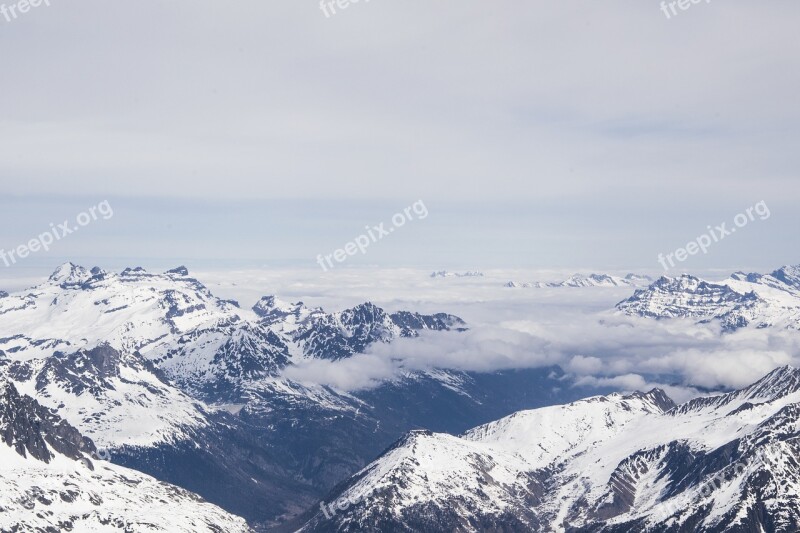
29	428
49	482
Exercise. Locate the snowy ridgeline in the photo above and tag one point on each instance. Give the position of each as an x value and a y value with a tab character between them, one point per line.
612	463
742	300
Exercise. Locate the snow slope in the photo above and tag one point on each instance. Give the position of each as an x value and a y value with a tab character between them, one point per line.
613	463
50	480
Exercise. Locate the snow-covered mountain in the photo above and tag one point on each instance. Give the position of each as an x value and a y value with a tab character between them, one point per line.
198	340
754	300
606	464
207	346
602	280
591	280
339	335
148	365
116	399
525	285
51	480
125	405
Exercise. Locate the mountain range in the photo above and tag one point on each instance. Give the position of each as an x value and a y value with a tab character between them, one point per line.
742	300
177	385
616	463
188	387
582	281
448	274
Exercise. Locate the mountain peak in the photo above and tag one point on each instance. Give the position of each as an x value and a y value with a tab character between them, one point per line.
658	398
790	275
682	280
780	382
366	306
271	309
133	271
266	303
179	271
69	273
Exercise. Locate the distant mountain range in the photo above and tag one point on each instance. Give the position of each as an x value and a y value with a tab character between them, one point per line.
606	464
743	300
581	281
446	274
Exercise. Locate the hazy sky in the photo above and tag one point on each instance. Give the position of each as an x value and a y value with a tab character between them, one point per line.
574	133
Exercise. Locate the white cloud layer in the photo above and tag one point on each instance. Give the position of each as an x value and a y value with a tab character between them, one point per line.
573	328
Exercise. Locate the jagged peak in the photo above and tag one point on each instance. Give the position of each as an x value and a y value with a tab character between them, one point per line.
178	271
69	273
789	274
367	310
658	397
266	302
780	382
777	384
269	304
130	271
365	305
35	431
683	279
750	277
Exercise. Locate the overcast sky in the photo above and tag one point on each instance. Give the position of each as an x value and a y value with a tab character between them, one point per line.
576	133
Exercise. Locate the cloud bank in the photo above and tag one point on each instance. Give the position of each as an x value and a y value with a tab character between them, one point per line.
601	350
